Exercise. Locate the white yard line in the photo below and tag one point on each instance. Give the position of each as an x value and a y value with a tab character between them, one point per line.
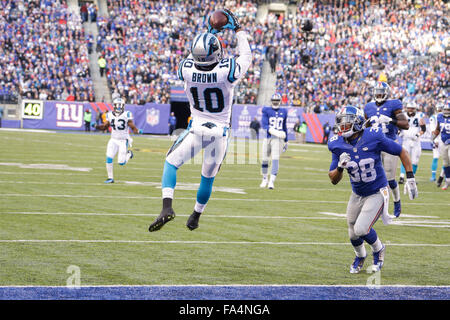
209	242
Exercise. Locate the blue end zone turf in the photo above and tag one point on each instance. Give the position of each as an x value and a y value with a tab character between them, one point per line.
235	292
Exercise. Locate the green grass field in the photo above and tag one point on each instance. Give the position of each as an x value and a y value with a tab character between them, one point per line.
53	216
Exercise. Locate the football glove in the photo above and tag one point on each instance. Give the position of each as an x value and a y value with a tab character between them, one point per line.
93	124
384	119
411	187
344	159
233	23
140	131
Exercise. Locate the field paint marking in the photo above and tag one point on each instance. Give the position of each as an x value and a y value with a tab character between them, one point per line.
402	216
223	285
186	198
209	242
153	215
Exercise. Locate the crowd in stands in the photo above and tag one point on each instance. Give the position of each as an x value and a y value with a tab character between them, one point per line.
355	43
43	52
44	49
143	43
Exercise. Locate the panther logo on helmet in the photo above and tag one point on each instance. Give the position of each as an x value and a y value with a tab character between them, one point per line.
206	49
350	120
119	105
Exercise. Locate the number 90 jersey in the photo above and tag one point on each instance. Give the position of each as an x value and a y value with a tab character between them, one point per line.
119	124
365	169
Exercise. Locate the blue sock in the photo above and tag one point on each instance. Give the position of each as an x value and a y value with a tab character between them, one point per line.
264	167
434	165
169	178
447	172
275	164
371	237
414	168
402	169
204	190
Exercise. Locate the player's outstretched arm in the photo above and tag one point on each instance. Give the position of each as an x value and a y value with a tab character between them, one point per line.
335	175
133	127
400	120
103	126
245	54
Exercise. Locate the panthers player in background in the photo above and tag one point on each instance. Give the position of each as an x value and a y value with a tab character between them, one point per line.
119	120
209	82
443	128
411	137
436	146
358	149
389	116
273	121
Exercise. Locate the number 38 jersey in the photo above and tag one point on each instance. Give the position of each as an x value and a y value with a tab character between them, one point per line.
119	124
210	93
365	169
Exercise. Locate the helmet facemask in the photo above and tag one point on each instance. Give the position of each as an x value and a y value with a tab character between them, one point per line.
275	101
119	106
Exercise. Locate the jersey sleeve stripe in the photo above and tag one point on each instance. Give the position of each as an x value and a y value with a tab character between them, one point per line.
231	77
180	70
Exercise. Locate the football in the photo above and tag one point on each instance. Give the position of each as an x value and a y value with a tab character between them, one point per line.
218	19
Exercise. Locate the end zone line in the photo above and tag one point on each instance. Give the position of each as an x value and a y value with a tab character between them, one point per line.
207	242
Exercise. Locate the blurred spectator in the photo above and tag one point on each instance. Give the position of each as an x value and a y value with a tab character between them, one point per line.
172	123
1	116
102	65
87	120
255	126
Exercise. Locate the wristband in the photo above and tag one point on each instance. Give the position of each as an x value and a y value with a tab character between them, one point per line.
339	169
409	175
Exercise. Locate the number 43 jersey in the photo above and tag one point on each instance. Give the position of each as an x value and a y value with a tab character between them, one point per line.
119	124
365	168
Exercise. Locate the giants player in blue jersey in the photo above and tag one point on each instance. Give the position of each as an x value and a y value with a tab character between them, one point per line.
389	116
358	149
443	127
274	121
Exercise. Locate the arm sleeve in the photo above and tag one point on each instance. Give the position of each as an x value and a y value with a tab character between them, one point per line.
285	128
180	70
334	161
265	120
245	55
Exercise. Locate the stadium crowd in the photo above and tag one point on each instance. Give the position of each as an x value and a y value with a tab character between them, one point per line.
355	43
43	52
44	49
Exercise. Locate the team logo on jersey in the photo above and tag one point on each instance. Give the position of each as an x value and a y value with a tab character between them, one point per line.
152	116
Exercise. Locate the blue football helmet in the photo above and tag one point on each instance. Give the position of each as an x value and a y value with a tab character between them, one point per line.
276	100
446	110
381	91
119	105
350	120
206	49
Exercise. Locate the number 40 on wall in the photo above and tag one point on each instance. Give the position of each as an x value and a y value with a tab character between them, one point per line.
32	109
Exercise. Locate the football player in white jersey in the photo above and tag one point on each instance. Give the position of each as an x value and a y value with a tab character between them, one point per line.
209	82
436	144
119	120
274	144
411	137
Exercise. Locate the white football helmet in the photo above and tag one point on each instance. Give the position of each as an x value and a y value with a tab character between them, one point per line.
446	110
206	49
119	105
276	100
439	107
412	108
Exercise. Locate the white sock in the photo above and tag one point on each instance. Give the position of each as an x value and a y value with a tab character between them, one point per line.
167	193
199	207
109	170
273	178
265	176
360	250
128	157
377	245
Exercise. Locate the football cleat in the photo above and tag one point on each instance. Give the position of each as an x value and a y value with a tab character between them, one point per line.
165	216
378	259
397	208
264	183
192	222
131	154
439	181
271	185
109	181
401	180
357	264
445	186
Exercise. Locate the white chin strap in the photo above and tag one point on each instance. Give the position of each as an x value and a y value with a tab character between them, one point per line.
348	133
